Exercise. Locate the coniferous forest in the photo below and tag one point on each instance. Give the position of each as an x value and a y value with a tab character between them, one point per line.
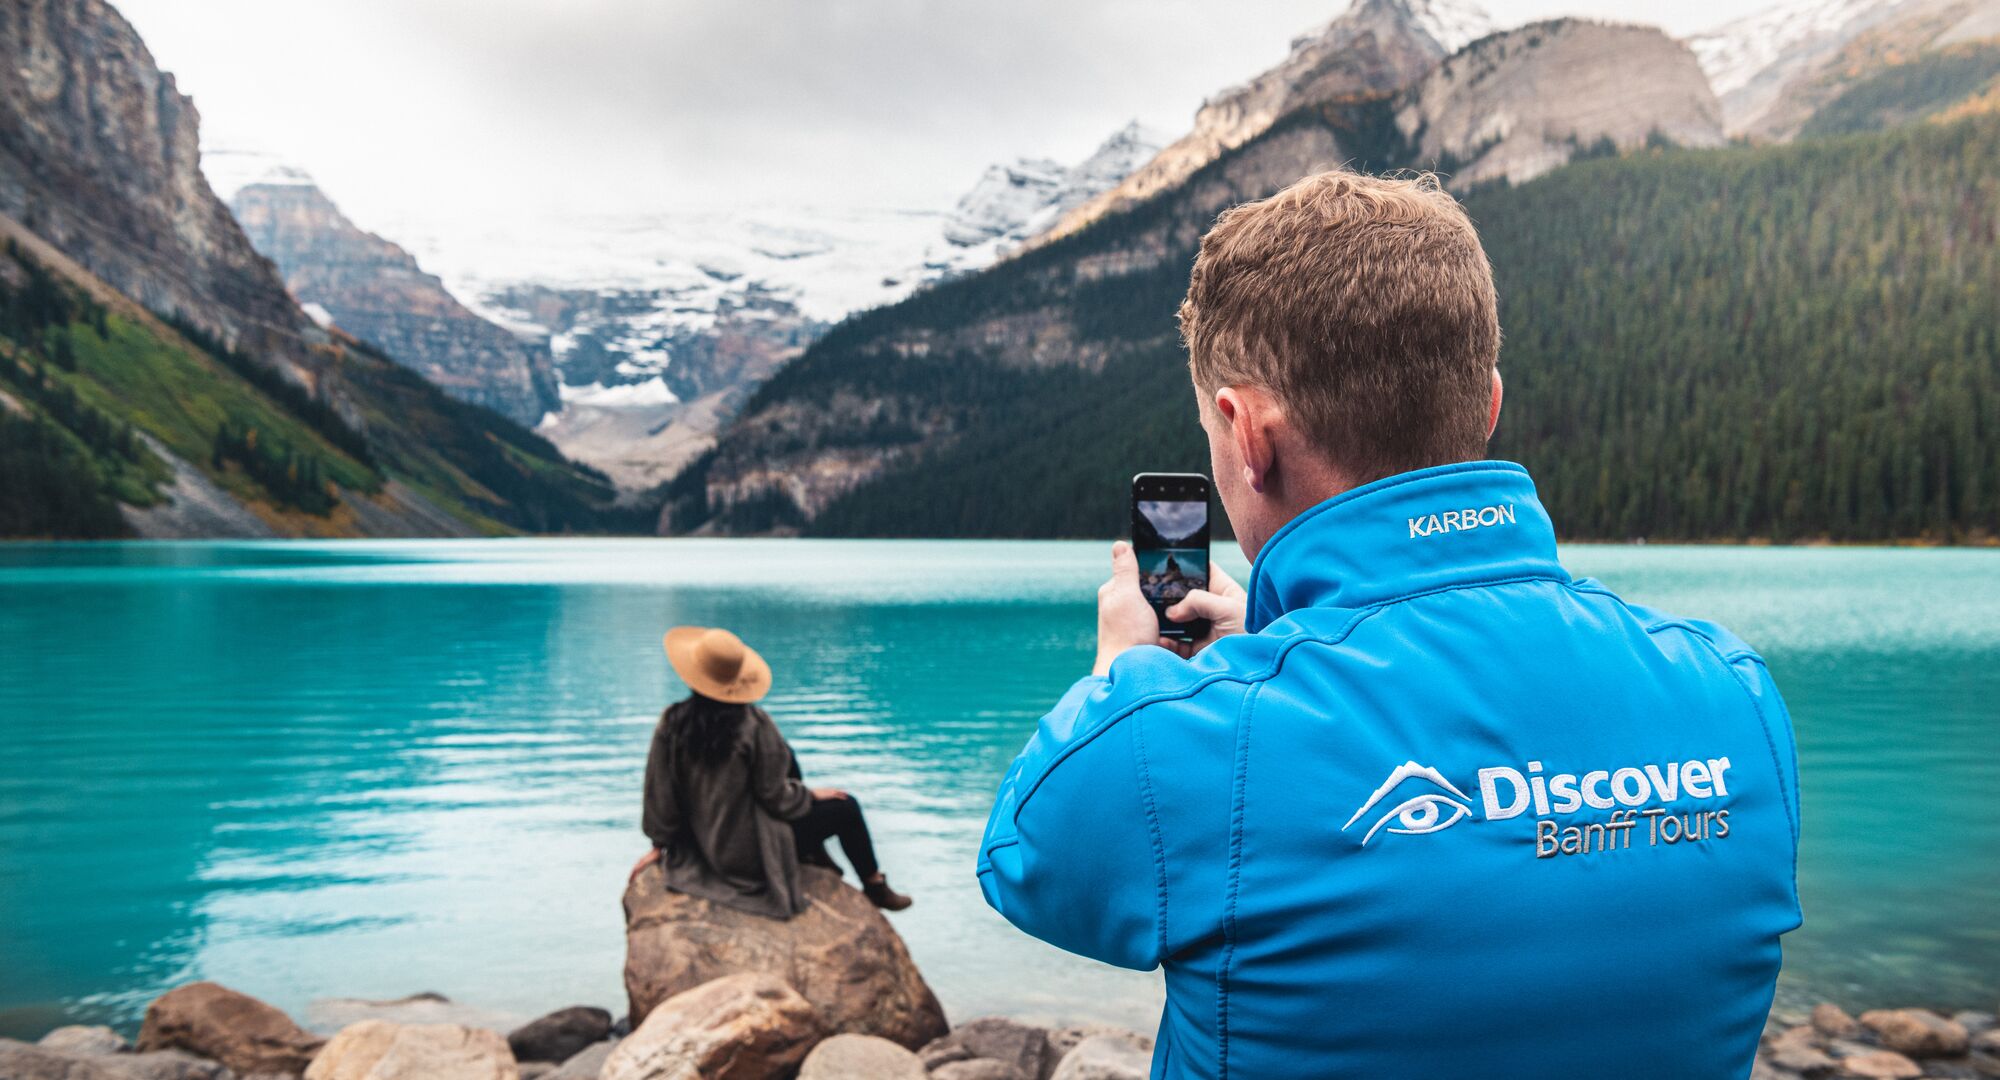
1791	342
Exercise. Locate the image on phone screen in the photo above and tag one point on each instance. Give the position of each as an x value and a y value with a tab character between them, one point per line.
1170	540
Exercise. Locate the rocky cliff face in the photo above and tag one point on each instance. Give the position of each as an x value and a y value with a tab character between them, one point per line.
100	155
1513	106
1376	46
375	290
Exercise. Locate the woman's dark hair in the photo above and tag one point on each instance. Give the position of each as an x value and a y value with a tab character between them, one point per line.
702	730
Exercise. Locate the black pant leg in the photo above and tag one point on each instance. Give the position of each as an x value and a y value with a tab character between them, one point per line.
839	818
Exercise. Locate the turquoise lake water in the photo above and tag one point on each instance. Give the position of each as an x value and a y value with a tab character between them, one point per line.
312	770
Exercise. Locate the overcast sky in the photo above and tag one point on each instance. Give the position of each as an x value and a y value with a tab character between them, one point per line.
452	109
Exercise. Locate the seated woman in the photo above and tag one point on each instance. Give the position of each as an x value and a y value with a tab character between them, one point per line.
725	806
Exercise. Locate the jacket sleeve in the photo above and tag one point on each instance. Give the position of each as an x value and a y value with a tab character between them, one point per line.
661	818
1071	853
773	776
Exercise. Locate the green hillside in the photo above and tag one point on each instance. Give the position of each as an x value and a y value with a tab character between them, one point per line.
86	382
1925	86
1791	342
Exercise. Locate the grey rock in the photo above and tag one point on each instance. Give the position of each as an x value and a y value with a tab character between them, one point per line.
1118	1056
1974	1022
861	1057
25	1061
558	1036
1063	1040
1023	1046
536	1070
586	1064
84	1039
978	1069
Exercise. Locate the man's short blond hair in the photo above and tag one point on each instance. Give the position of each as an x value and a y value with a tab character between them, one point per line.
1365	305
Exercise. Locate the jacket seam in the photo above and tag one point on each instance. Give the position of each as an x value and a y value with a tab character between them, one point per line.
1729	660
1150	806
1239	797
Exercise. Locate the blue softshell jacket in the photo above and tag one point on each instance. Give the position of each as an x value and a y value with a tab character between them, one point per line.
1445	811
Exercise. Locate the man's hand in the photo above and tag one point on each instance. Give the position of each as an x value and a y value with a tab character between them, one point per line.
649	858
1124	618
825	794
1222	604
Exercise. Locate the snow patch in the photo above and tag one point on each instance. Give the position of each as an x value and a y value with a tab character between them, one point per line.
650	394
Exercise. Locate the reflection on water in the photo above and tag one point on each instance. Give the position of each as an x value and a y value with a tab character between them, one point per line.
368	769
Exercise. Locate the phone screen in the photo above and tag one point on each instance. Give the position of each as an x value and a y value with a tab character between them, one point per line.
1170	538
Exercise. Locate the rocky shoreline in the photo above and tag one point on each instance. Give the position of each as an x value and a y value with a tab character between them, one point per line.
714	994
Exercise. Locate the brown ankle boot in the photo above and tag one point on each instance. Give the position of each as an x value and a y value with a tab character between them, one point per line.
882	896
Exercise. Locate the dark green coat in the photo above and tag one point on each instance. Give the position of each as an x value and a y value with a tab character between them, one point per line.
723	829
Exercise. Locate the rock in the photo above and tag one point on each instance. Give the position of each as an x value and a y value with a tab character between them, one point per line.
739	1027
23	1061
381	1050
559	1035
861	1057
1974	1022
979	1069
840	954
1023	1046
82	1039
1880	1065
1115	1056
1804	1059
537	1070
1833	1022
586	1064
1917	1032
213	1021
1063	1040
1987	1042
328	1015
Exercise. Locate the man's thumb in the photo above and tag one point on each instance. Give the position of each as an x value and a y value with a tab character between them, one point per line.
1124	564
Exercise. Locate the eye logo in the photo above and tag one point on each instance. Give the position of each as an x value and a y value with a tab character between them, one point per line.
1422	811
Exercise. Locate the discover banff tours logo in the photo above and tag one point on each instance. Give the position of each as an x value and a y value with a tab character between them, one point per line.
1417	800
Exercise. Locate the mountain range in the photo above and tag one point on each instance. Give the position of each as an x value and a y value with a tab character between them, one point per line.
798	369
1011	402
156	373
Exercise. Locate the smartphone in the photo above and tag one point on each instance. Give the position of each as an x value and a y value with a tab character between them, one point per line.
1170	537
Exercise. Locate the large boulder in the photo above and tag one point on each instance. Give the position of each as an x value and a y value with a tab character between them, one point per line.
861	1057
380	1050
739	1027
840	954
560	1035
22	1061
213	1021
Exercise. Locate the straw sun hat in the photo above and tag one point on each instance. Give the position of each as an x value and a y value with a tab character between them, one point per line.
715	663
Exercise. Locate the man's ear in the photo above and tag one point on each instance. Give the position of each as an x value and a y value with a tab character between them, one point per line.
1249	413
1493	417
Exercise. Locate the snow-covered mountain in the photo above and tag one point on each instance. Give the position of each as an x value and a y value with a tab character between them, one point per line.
1749	60
1374	46
1016	202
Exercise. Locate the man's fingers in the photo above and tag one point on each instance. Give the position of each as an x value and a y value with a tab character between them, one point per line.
1220	583
1124	564
1198	604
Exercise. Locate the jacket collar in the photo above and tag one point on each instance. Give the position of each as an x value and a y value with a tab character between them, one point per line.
1463	524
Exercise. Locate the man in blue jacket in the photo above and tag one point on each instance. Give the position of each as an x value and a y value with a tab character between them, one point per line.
1423	804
